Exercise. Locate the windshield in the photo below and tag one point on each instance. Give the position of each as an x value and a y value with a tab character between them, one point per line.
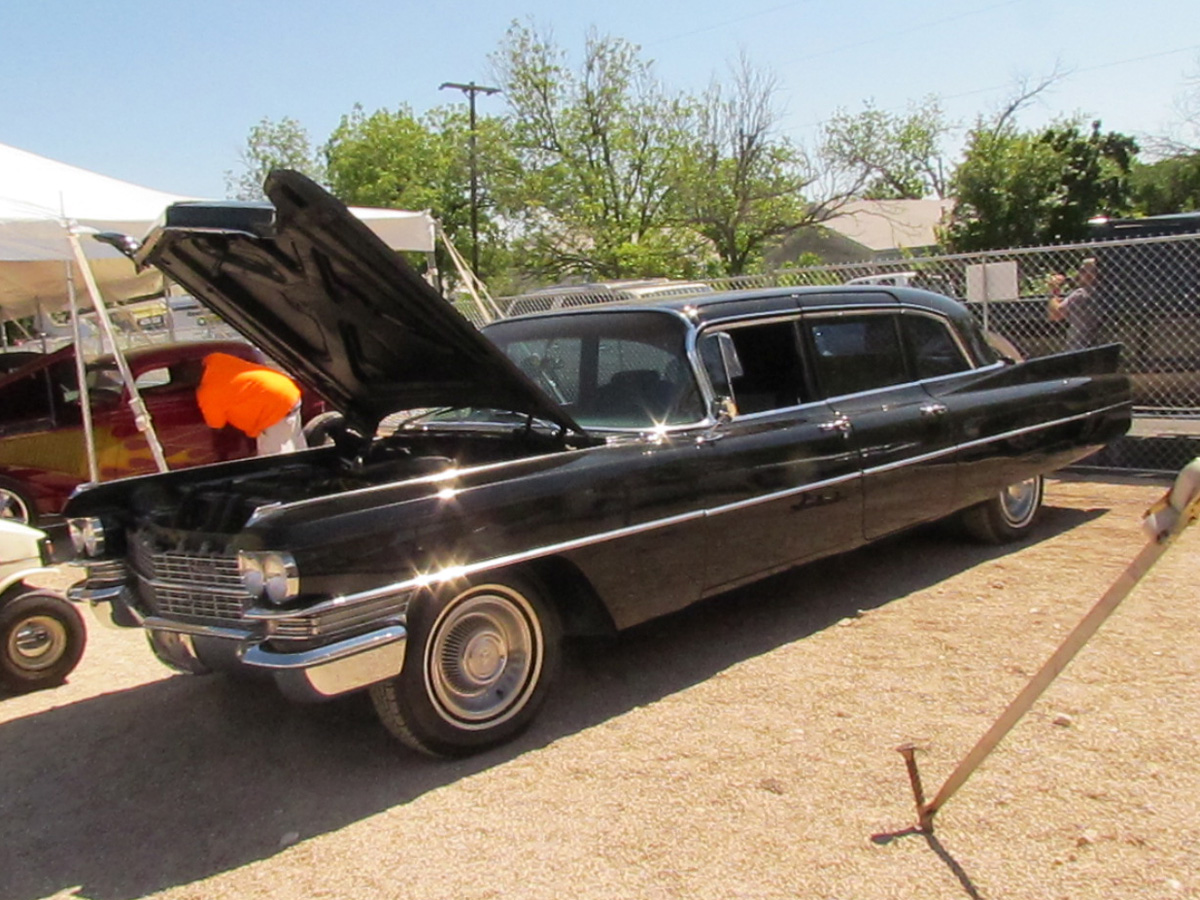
611	369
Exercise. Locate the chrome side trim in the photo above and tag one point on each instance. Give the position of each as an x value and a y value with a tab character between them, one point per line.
983	441
433	480
977	370
782	495
433	578
335	604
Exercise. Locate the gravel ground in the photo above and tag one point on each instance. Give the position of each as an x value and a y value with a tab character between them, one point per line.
741	749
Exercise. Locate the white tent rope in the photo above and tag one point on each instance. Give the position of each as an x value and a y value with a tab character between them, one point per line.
477	289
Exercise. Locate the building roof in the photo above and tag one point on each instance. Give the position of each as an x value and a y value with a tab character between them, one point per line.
883	225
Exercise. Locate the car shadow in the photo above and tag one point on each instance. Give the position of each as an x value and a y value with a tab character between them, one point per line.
137	791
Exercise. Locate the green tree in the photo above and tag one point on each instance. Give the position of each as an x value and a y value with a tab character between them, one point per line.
398	160
736	181
390	159
1016	188
593	150
272	145
893	157
1170	185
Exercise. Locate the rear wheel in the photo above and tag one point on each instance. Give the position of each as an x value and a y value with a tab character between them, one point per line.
479	662
1009	516
41	639
16	503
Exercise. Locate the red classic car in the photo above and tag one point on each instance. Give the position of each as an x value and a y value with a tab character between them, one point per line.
43	454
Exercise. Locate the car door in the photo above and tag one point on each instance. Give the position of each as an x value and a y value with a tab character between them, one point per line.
902	436
782	480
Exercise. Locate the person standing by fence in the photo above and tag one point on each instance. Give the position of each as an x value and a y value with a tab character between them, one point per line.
1079	307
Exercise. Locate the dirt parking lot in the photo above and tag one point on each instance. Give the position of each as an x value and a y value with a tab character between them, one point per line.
740	749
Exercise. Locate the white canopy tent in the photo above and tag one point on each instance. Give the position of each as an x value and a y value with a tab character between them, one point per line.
40	199
46	210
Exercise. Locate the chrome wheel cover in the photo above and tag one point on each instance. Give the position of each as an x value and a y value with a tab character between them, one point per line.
1019	502
484	657
37	643
12	507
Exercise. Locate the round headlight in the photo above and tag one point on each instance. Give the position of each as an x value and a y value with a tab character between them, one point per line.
281	580
250	570
87	536
269	575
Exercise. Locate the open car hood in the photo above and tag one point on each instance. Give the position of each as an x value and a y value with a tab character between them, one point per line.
316	290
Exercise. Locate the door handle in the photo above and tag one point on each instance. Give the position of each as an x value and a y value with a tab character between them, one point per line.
841	423
930	410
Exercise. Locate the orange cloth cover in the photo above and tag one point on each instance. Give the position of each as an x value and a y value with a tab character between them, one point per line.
245	395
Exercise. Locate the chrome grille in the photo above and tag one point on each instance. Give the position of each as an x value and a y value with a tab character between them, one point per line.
205	568
202	585
173	600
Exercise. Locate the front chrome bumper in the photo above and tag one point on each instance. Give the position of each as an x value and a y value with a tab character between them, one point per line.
317	673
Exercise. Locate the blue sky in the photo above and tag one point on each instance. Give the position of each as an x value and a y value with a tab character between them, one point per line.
163	94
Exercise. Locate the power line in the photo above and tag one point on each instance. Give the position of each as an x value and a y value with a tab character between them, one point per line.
1097	67
725	23
894	34
1073	72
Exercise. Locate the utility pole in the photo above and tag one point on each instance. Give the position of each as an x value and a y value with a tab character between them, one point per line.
471	89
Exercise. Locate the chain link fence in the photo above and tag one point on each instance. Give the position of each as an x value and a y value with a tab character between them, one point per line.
1146	296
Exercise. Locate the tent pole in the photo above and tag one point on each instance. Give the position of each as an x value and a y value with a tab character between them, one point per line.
141	415
487	307
85	398
41	326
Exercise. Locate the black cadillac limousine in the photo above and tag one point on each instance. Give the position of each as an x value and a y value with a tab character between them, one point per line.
484	493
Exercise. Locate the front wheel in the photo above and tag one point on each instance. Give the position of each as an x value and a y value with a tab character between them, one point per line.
1009	516
41	640
479	662
16	503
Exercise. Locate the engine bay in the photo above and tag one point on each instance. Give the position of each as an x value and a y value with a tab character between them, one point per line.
223	503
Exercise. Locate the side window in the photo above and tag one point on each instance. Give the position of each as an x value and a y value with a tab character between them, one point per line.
553	364
617	356
611	369
771	374
857	353
27	399
639	384
178	377
931	346
105	386
154	379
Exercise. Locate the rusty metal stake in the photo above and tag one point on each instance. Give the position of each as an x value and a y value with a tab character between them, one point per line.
924	816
